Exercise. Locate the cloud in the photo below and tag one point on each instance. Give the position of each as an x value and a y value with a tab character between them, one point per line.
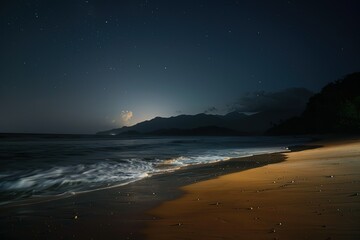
126	116
291	99
211	110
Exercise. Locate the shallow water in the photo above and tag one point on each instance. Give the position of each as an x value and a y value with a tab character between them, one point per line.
49	165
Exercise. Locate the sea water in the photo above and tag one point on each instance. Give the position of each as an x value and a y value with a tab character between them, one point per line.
50	165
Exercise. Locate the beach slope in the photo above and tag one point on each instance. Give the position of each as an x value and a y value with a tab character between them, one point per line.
314	194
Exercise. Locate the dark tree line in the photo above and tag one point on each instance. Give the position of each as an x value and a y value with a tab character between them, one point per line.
336	109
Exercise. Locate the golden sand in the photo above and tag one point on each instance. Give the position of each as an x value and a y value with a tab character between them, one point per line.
314	194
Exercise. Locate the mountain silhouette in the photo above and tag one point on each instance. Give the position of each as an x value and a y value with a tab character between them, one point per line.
233	123
336	109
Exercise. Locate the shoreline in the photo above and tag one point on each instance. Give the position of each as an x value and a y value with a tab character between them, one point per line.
41	199
32	194
303	197
120	210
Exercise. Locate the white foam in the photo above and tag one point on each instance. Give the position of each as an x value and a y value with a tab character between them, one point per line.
83	177
77	177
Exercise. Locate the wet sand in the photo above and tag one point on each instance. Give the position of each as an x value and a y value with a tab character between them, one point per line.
115	213
314	194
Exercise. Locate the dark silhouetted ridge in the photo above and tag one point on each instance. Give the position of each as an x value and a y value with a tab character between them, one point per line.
336	109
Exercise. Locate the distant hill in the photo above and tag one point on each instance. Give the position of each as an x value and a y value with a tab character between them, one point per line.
336	109
233	123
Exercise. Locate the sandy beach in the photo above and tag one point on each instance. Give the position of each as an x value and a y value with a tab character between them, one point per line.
314	194
118	212
303	194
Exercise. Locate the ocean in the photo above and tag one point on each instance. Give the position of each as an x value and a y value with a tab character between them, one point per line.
34	166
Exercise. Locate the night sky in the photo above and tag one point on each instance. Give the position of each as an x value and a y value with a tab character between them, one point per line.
84	66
